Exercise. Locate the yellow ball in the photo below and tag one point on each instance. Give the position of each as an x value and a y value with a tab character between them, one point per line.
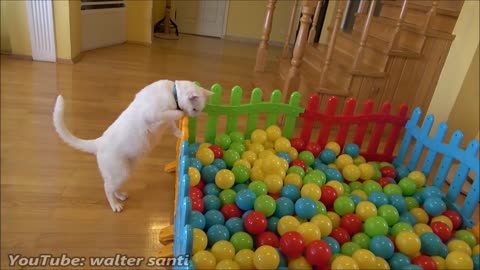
440	262
258	136
286	224
408	243
443	219
311	191
343	160
365	209
292	153
273	133
294	179
458	260
335	147
281	174
242	162
284	164
476	250
223	250
301	220
258	163
365	259
381	264
225	179
337	186
359	160
420	215
324	223
271	164
257	148
309	231
256	174
244	258
343	262
194	175
367	171
335	218
421	228
265	154
332	165
459	245
351	172
274	183
360	193
418	177
227	264
268	145
205	156
266	257
299	263
282	144
204	145
204	260
249	156
200	241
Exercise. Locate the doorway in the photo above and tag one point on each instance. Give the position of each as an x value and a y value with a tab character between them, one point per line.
205	18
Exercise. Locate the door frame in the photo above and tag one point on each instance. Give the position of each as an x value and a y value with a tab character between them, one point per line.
225	17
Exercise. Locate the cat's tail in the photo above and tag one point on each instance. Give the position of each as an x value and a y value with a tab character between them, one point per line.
88	146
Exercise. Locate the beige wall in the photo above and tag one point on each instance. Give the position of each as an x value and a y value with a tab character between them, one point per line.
75	28
62	29
139	21
158	11
4	35
17	23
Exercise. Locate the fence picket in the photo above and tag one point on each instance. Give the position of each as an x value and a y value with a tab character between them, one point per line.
348	110
232	117
255	98
432	151
395	131
327	124
417	149
462	172
276	98
447	160
407	137
212	118
290	118
362	127
309	118
378	129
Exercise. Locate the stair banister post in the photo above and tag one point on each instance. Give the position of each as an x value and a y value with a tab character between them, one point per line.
398	26
362	6
292	81
262	51
431	13
366	29
313	29
286	46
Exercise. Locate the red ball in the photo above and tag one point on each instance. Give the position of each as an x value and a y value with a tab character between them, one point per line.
442	230
388	171
231	210
318	253
292	244
385	181
425	262
352	223
274	195
324	267
217	151
298	144
299	162
198	205
195	193
454	217
314	148
393	242
341	235
267	239
200	184
255	222
329	195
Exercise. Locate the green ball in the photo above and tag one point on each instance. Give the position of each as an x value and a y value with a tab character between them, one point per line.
375	165
307	156
411	203
374	226
370	186
227	196
230	156
296	169
309	170
321	208
344	205
258	187
389	213
408	186
385	164
241	173
349	248
238	146
241	240
319	174
310	178
377	175
466	236
392	189
362	239
237	136
265	205
401	227
355	185
346	188
223	140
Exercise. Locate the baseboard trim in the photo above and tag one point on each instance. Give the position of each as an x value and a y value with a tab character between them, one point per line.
21	57
6	52
147	44
252	40
74	60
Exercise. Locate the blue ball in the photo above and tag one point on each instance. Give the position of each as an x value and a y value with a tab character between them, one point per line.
284	207
434	206
192	149
217	233
398	201
245	214
272	223
352	150
476	261
334	245
245	199
408	217
208	173
398	260
418	196
381	246
283	261
194	162
430	243
327	156
412	267
291	191
213	217
402	172
239	187
234	225
219	163
198	220
355	198
333	174
285	156
305	208
322	167
211	202
431	191
211	189
378	198
442	251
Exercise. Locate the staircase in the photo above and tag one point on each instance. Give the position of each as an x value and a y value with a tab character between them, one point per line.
395	51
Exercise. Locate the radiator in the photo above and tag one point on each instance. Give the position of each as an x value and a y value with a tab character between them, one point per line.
42	33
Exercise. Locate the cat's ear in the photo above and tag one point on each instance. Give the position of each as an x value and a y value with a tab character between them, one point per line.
192	96
207	93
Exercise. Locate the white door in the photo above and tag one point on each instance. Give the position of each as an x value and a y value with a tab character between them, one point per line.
42	33
204	17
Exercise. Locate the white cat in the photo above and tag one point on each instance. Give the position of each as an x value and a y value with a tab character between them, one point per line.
136	131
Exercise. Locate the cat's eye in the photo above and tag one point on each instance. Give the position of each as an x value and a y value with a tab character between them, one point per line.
194	109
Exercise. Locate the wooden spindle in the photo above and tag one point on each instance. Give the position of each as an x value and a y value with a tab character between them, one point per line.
362	6
262	51
363	38
313	29
398	26
292	80
286	46
431	13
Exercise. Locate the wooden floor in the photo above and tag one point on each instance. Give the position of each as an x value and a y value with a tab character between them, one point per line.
52	195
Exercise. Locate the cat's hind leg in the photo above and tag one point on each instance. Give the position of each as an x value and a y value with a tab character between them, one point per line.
115	172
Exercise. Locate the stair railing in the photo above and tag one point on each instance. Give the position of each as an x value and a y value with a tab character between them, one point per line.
313	29
286	46
362	6
363	38
262	51
431	13
398	26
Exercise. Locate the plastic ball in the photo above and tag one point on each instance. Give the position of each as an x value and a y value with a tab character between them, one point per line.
408	186
267	238
434	206
381	246
360	193
344	205
440	262
441	229
305	208
307	157
399	202
335	147
381	264
244	258
204	260
324	223
298	144
194	175
211	202
392	189
476	249
192	149
430	243
389	213
198	220
311	191
352	223
349	248
411	203
362	239
230	211
398	261
205	155
340	235
351	172
321	208
290	191
216	233
249	156
227	264
458	260
223	250
238	147
318	253
241	240
329	195
284	207
208	173
420	215
230	156
265	204
374	226
298	263
258	136
388	171
274	183
334	217
445	220
223	140
344	160
476	261
213	217
198	205
327	156
241	174
219	163
339	188
227	196
378	198
366	210
454	217
365	259
234	225
421	228
315	148
459	245
286	224
245	199
237	136
466	236
425	262
370	186
255	222
282	144
272	223
293	179
344	262
367	171
292	244
195	193
400	227
292	152
309	231
258	187
200	241
418	177
352	150
408	243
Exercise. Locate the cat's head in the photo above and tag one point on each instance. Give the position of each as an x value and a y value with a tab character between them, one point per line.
191	97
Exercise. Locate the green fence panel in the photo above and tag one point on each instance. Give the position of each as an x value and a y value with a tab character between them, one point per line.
212	115
232	117
252	119
276	98
291	118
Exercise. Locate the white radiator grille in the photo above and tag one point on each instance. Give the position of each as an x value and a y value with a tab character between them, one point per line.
42	33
